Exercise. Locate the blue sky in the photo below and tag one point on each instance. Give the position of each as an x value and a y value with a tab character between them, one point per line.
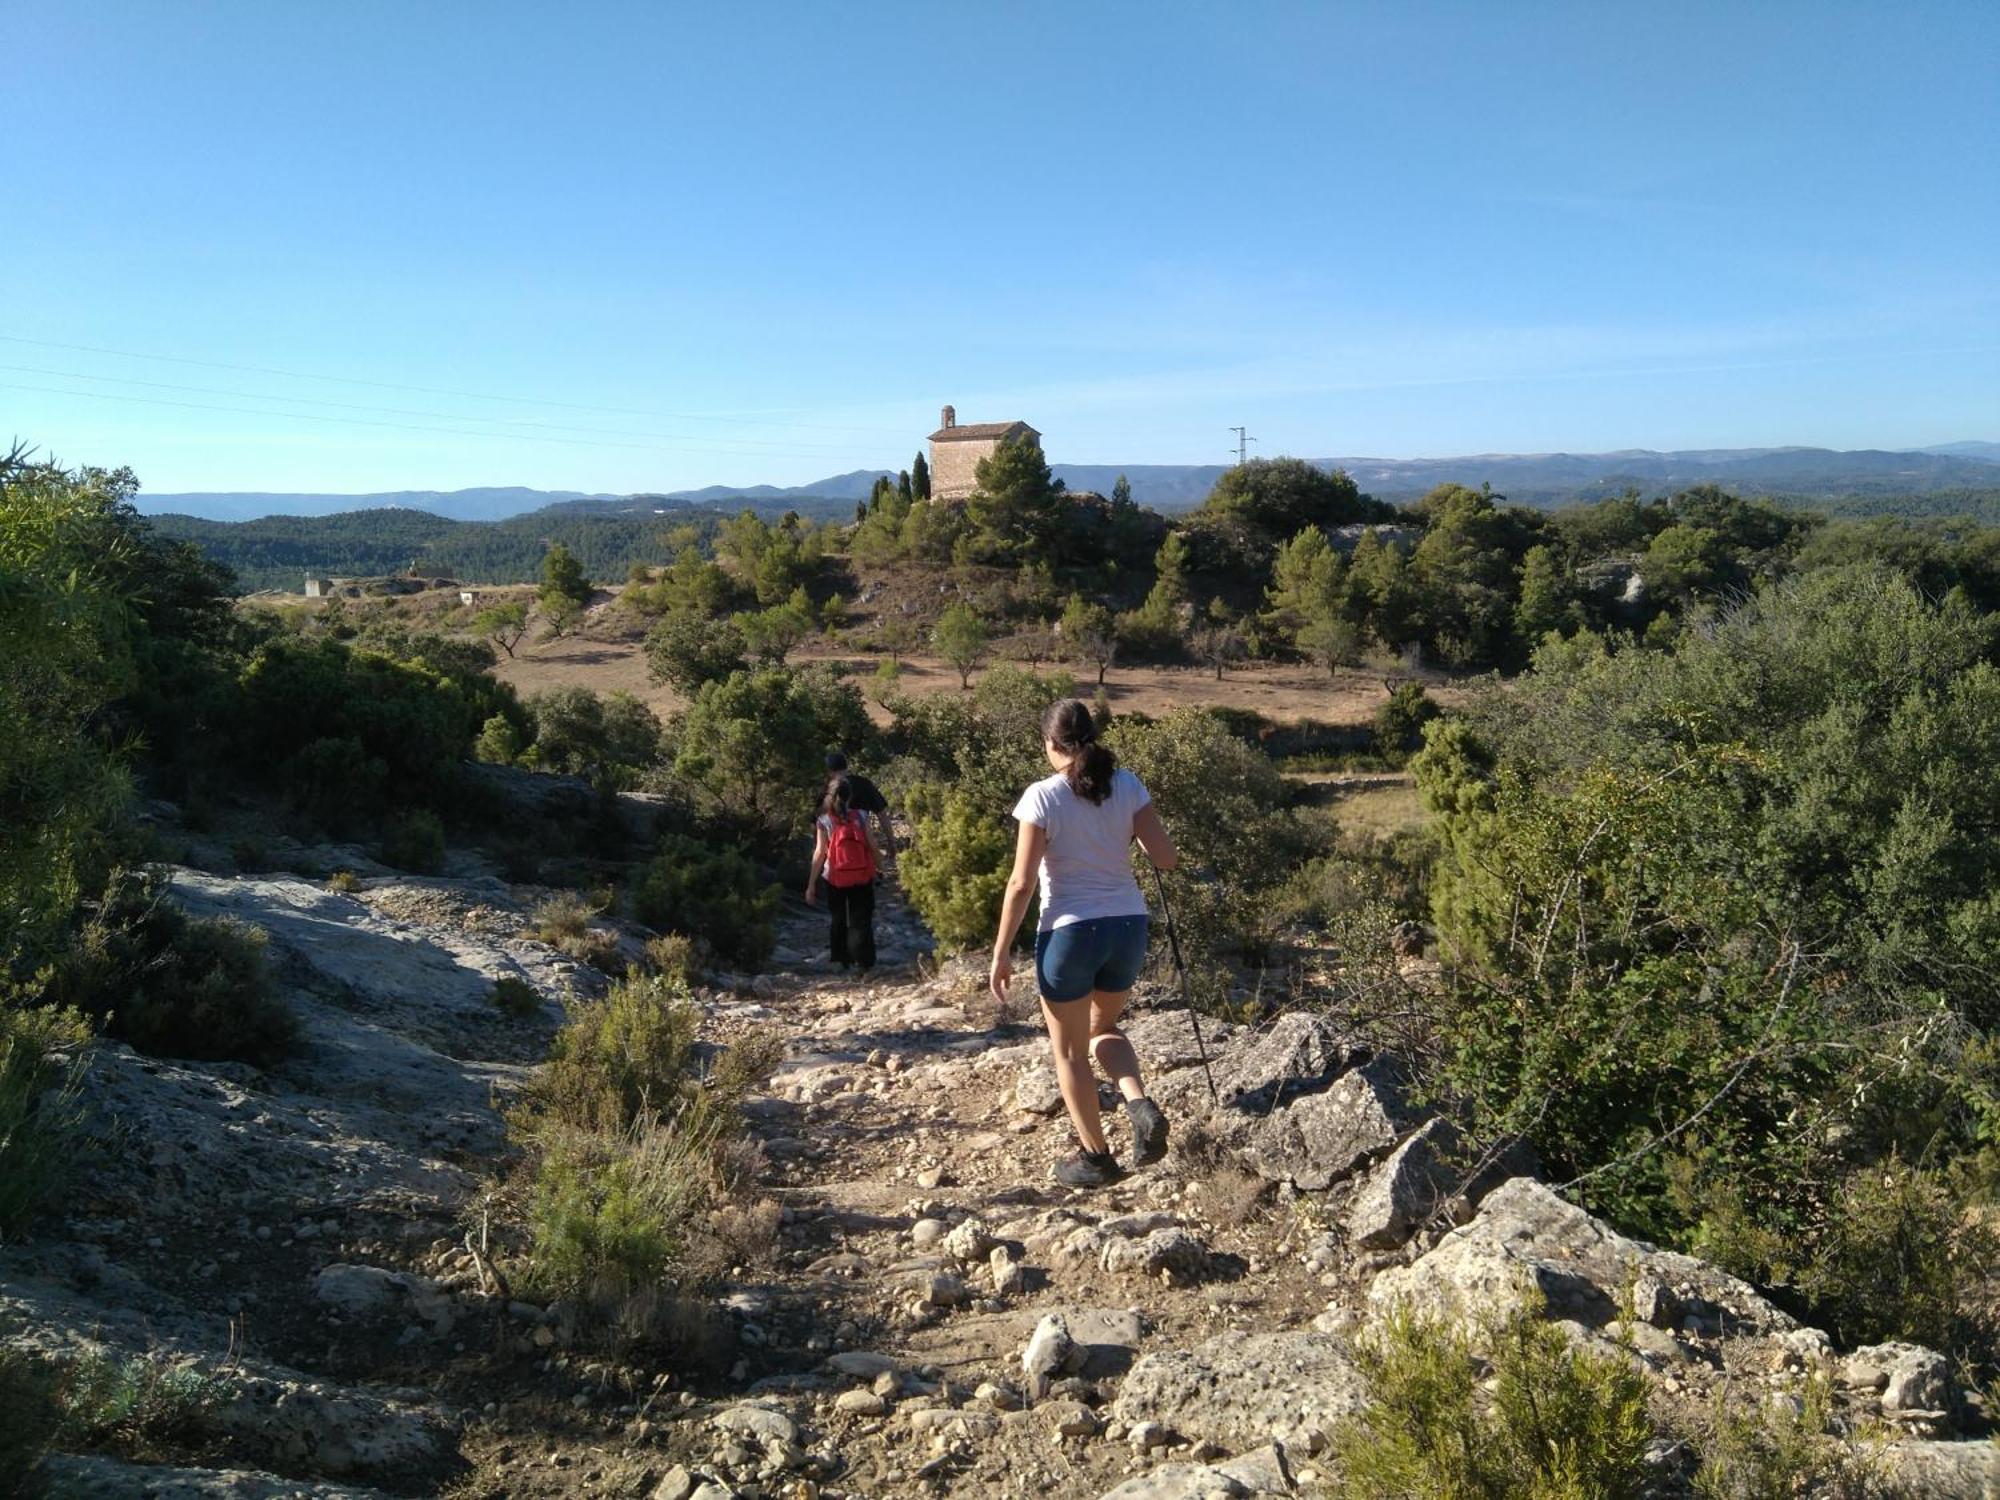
738	243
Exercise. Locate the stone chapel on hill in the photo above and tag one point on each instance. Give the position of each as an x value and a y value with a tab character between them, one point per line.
956	451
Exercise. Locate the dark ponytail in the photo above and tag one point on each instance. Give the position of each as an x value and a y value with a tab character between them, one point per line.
1069	727
839	797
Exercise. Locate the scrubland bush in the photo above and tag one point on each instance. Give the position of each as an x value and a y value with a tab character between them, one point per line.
36	1113
563	917
1399	723
672	955
516	998
1225	806
1507	1411
751	747
630	1146
171	984
711	893
415	842
1755	872
1774	1450
957	864
134	1402
343	882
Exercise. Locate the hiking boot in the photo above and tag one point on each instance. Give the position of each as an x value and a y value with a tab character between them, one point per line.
1088	1169
1149	1131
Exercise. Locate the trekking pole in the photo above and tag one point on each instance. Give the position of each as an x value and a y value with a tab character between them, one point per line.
1187	986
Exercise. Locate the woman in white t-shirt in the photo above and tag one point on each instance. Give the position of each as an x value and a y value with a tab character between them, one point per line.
1076	829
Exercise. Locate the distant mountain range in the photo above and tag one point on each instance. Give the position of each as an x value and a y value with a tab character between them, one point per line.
1526	478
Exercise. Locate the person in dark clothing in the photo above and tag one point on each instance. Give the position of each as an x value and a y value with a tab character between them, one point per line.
868	799
844	856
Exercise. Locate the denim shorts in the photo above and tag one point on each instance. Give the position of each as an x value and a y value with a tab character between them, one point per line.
1104	953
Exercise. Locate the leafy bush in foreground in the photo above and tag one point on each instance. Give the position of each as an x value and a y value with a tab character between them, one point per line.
1559	1423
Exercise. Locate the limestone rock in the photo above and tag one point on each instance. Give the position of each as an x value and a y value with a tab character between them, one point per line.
1903	1377
1037	1092
1240	1390
98	1477
968	1242
860	1402
1938	1471
1524	1230
371	1292
1402	1190
1322	1138
1047	1352
1175	1252
759	1422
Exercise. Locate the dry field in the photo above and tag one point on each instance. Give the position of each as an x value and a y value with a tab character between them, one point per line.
1282	693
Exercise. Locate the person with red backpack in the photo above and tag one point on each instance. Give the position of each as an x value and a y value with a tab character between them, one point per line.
844	854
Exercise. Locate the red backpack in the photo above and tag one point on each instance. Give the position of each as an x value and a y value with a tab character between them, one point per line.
850	857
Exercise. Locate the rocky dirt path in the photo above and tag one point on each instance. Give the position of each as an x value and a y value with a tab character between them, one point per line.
927	1314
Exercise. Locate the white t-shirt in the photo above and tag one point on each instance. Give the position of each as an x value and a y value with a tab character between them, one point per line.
1087	867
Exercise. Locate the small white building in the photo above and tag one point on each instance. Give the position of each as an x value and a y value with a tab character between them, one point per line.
319	588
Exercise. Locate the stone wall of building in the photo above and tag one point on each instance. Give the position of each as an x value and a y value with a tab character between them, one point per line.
954	466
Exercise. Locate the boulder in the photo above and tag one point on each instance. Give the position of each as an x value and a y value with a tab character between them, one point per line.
759	1422
1047	1352
1244	1390
371	1292
1322	1138
1401	1191
1904	1378
1937	1471
1526	1235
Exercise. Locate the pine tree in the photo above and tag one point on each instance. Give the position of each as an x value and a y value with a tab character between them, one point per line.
1121	492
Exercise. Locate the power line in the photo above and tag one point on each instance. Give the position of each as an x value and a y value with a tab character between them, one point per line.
426	390
1243	442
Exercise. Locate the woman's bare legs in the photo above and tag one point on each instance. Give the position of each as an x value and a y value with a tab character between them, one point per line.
1069	1037
1109	1047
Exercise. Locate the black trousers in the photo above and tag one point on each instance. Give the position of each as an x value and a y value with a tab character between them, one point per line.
852	909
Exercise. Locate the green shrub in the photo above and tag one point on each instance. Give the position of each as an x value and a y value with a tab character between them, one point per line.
343	882
1399	723
629	1144
1675	888
629	1054
610	1213
713	893
171	984
563	916
37	1117
688	648
752	746
956	867
1558	1424
416	843
672	955
102	1399
516	998
1778	1450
